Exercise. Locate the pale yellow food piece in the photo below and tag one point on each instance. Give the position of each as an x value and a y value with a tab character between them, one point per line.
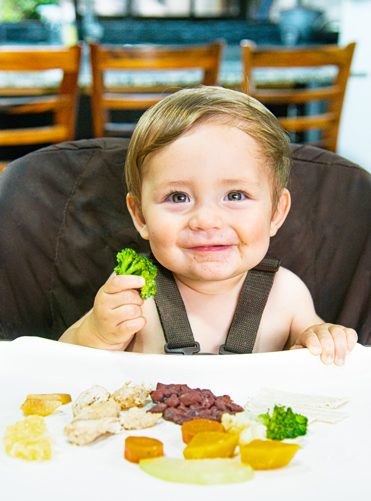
198	471
64	397
137	419
99	410
95	394
247	425
84	431
235	423
29	439
94	421
132	396
39	406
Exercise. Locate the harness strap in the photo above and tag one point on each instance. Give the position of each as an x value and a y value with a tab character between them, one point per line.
254	296
242	333
173	315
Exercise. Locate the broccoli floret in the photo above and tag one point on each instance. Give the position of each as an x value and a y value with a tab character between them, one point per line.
284	423
129	263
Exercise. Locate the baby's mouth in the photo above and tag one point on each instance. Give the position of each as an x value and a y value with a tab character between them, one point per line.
209	248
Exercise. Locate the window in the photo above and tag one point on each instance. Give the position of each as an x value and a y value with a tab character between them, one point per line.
234	9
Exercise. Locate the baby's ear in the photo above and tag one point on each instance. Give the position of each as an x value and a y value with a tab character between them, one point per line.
137	216
281	212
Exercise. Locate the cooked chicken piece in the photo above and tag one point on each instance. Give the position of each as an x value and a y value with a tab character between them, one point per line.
99	410
84	431
95	394
137	419
134	396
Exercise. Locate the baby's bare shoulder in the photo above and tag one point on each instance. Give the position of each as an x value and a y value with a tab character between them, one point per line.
289	294
289	283
289	303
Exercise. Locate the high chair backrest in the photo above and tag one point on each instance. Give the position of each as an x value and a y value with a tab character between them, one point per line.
325	118
143	58
63	218
36	98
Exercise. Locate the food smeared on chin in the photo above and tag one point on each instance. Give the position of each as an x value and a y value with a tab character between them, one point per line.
130	263
179	403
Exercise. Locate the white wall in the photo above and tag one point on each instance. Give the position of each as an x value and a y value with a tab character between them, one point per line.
355	131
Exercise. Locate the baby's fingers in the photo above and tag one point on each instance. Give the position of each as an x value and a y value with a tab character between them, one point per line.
340	346
308	339
352	338
117	283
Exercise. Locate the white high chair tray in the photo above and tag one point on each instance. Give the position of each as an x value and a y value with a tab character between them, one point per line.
332	464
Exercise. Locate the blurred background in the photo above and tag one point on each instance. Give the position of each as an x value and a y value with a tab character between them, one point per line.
266	22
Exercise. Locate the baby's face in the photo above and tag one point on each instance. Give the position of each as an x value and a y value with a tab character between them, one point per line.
207	205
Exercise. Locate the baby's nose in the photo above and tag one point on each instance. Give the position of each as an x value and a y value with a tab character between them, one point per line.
206	218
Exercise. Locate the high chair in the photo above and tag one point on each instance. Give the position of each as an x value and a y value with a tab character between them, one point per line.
325	113
63	218
149	59
60	101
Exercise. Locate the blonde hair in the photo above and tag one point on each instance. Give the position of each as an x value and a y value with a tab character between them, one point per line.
164	122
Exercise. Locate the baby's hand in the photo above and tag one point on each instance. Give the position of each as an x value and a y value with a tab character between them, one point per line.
332	342
117	312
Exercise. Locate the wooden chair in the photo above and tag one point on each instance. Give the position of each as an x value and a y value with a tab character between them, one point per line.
143	58
327	117
61	102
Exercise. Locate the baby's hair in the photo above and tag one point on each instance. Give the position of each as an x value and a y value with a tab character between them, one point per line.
164	122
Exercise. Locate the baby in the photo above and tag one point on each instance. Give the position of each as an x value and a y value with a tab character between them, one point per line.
206	171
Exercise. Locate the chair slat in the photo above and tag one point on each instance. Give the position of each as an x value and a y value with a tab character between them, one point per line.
143	58
331	96
47	134
282	96
62	101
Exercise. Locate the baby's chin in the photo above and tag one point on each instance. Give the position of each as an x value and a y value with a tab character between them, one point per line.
208	272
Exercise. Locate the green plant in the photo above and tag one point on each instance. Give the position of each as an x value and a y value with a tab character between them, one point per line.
21	10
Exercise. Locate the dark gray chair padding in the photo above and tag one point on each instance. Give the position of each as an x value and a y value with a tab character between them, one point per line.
63	218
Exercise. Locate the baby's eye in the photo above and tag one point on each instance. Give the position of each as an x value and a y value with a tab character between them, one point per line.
235	196
178	198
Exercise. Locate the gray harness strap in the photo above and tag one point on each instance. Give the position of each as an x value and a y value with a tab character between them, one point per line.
254	296
242	333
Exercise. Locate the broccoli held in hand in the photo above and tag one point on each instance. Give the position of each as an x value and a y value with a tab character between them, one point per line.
129	263
284	423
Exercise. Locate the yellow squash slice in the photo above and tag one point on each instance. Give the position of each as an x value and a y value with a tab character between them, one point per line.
197	471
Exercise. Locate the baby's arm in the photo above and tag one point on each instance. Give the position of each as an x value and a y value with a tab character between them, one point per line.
115	317
308	330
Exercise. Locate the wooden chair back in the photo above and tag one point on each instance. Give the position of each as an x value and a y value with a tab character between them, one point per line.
327	117
144	58
61	101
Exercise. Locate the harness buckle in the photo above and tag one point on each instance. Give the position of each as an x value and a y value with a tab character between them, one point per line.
223	351
187	350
